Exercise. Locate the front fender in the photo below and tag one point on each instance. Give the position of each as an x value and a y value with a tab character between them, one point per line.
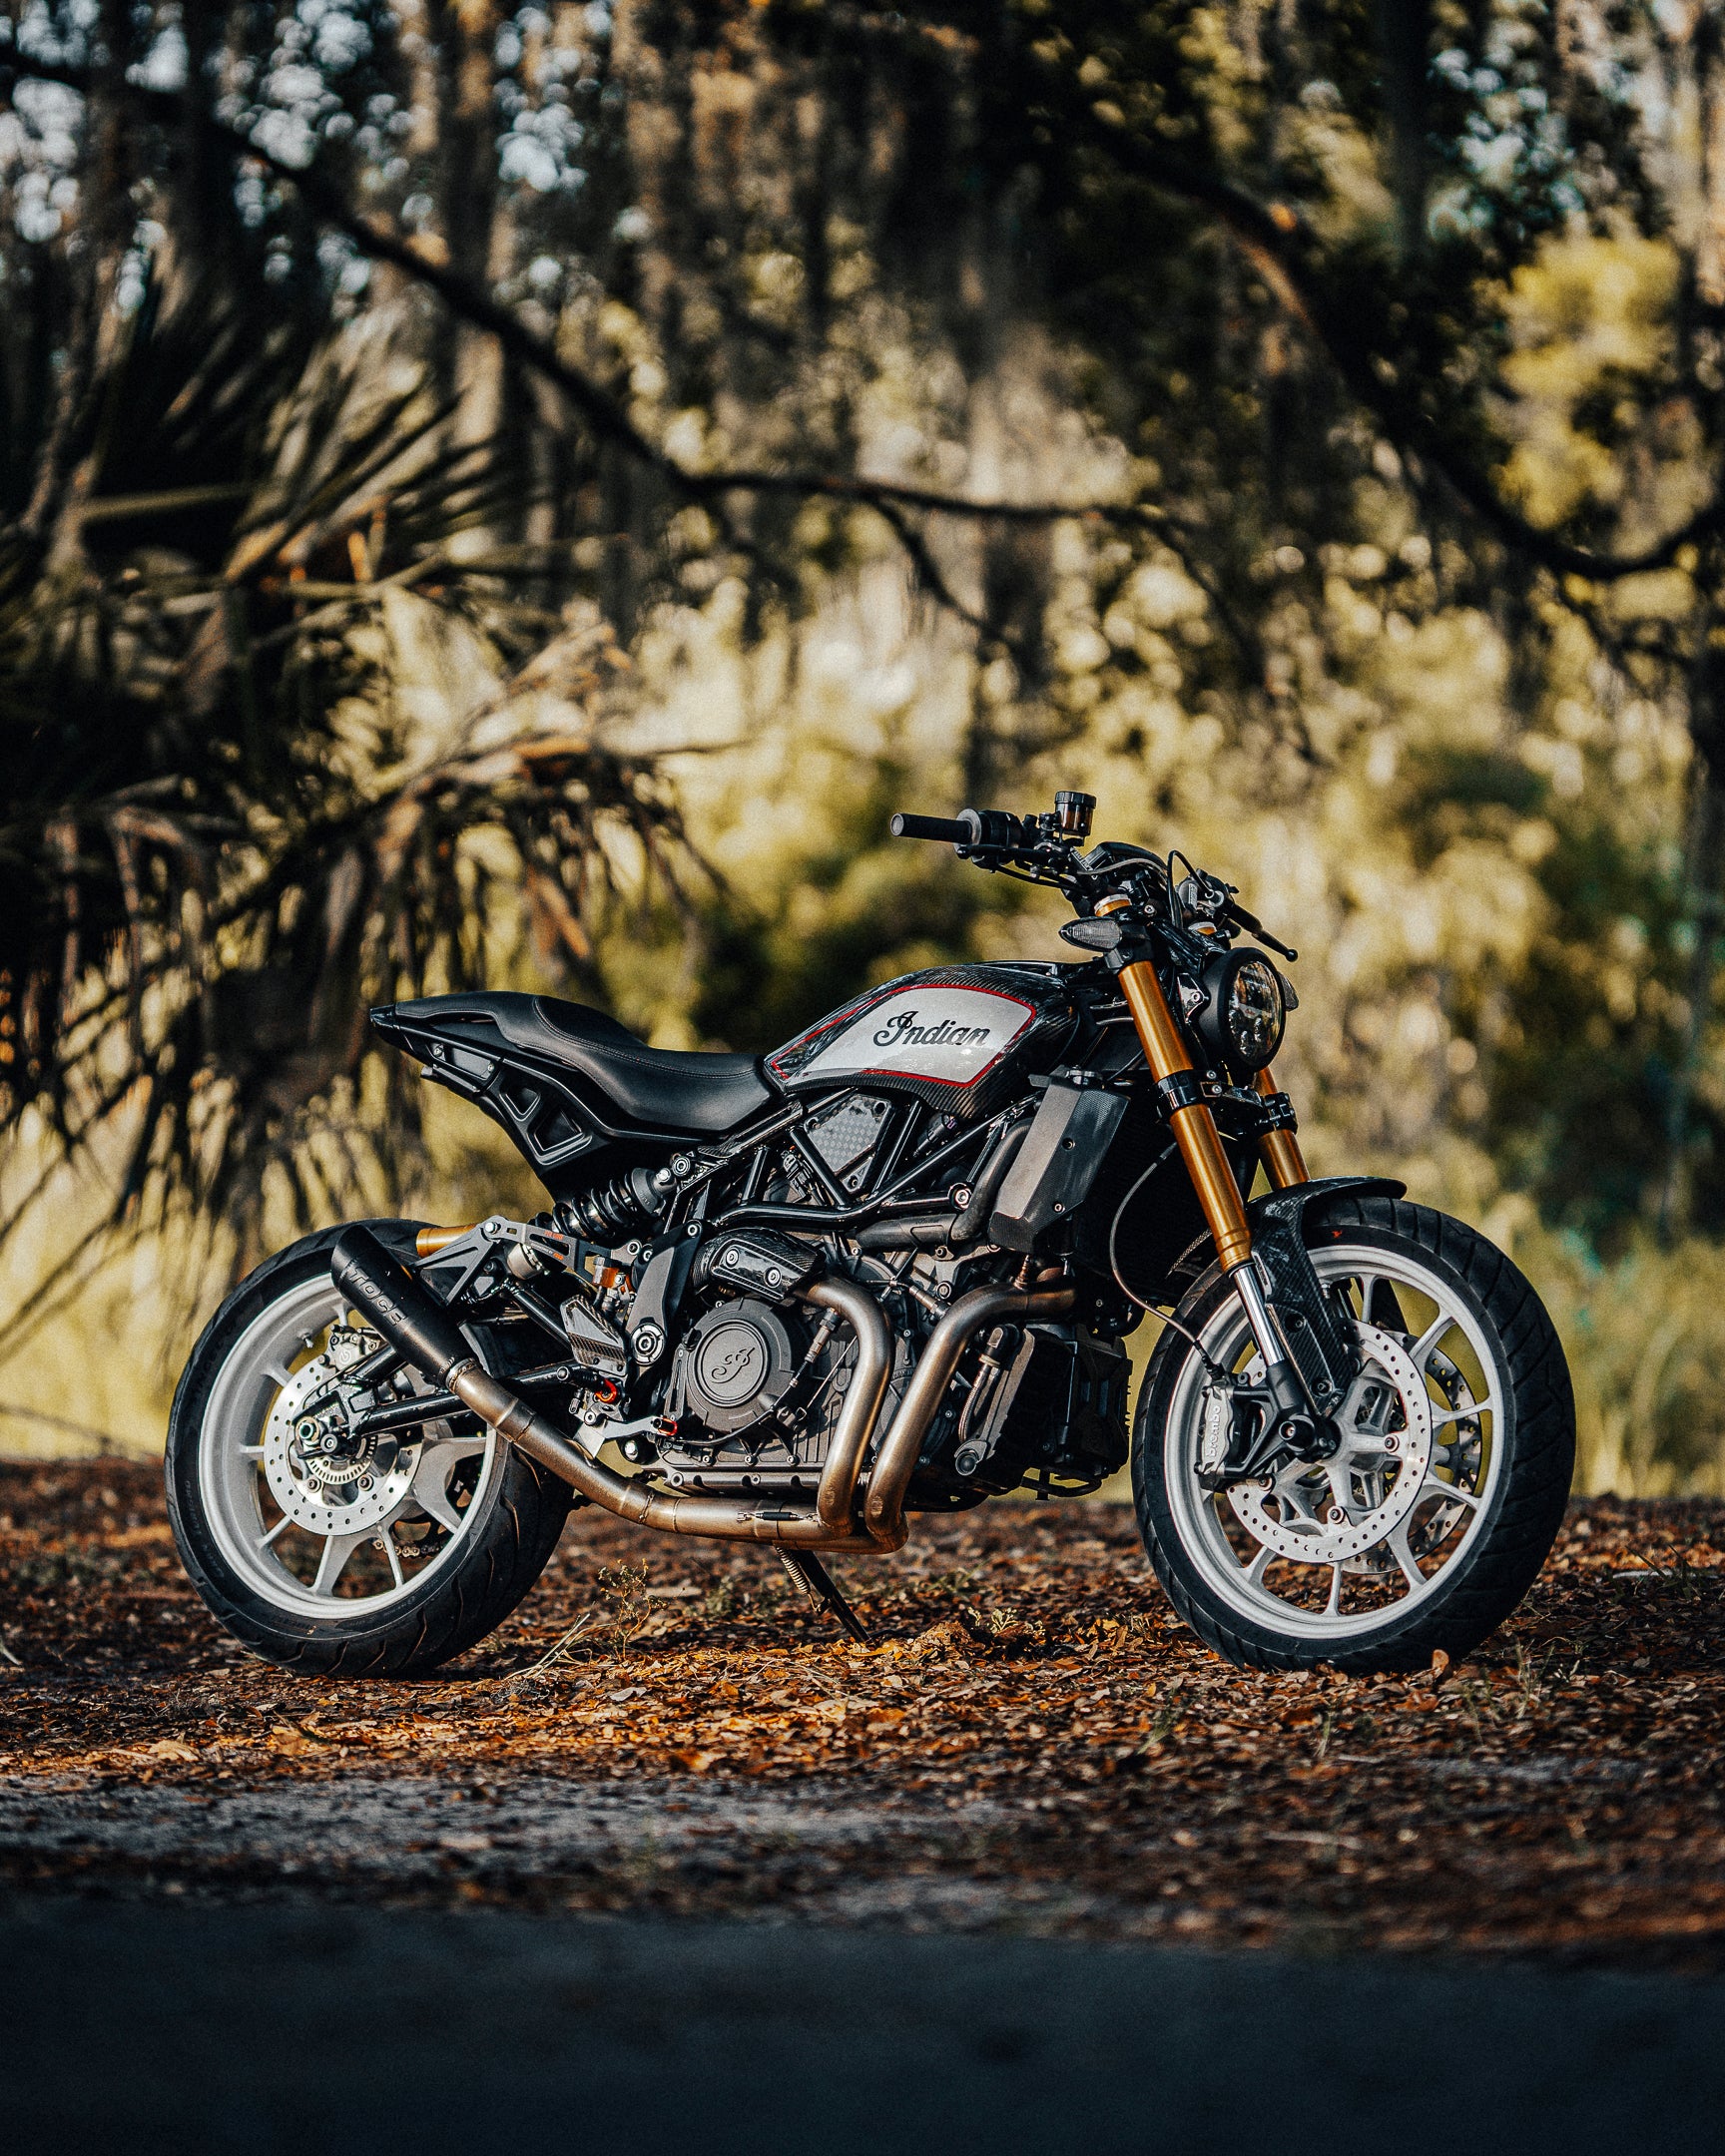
1288	1208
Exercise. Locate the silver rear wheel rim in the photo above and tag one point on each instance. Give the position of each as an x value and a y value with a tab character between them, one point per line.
262	1544
1465	1386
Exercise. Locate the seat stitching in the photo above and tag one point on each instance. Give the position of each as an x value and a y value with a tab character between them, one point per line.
674	1059
670	1062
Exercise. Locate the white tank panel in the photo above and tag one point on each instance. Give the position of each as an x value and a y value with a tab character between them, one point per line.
951	1035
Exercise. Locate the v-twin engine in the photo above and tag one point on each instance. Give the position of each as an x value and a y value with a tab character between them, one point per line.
758	1379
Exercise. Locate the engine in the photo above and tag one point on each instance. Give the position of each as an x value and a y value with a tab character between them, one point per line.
734	1382
758	1377
1048	1407
753	1396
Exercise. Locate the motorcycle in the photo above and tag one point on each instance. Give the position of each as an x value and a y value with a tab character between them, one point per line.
887	1270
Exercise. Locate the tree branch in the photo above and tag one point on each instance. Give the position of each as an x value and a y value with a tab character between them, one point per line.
603	412
1279	247
1270	234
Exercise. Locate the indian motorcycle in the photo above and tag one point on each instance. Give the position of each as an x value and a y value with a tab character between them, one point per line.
887	1271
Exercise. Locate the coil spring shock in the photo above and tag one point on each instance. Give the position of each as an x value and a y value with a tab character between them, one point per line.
623	1207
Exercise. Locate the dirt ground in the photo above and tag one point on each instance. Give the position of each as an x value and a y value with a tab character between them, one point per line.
1030	1742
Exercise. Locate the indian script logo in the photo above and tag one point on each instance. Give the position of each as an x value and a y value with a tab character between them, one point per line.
905	1032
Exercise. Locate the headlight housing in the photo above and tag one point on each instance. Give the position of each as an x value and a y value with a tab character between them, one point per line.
1245	1010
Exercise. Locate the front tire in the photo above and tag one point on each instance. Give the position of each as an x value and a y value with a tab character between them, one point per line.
1430	1525
383	1566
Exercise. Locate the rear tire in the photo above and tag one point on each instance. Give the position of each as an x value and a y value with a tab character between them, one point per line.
499	1516
1428	1529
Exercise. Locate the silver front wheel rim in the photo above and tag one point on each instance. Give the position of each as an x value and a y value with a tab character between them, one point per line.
287	1523
1334	1548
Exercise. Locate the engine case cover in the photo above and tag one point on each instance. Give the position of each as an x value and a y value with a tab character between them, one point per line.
733	1365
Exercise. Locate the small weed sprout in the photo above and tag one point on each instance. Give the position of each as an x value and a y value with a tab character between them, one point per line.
624	1588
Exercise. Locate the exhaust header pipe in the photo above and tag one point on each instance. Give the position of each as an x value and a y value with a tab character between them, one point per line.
412	1320
415	1322
898	1451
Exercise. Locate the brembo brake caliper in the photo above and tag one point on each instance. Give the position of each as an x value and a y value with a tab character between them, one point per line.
1288	1413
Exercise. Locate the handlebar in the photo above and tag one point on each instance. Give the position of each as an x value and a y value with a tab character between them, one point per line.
932	827
1043	849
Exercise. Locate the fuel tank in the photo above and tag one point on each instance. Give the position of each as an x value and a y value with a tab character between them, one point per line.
960	1038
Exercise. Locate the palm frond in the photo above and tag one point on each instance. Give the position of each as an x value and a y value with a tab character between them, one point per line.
226	827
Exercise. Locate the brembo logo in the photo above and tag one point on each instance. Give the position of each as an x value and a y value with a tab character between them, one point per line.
905	1032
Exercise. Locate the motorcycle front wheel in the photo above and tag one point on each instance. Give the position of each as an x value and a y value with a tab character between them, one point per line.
1427	1526
382	1559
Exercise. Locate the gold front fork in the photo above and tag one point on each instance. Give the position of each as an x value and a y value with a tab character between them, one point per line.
1284	1163
1194	1128
1200	1146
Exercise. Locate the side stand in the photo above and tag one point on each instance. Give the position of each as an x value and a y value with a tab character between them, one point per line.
820	1587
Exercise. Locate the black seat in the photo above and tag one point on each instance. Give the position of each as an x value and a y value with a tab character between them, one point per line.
665	1088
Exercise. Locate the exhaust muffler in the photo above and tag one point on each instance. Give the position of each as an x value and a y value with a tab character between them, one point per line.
412	1320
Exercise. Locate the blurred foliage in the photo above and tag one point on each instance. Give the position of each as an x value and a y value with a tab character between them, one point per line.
1645	1337
226	829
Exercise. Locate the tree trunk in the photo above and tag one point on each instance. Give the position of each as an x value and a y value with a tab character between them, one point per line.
1403	47
1706	907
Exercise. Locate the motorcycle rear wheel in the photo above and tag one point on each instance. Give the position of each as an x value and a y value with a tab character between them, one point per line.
389	1576
1430	1525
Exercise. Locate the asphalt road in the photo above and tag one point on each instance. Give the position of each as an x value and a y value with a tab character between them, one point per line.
149	2025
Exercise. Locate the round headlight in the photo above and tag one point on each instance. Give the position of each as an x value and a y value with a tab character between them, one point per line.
1253	1017
1244	1012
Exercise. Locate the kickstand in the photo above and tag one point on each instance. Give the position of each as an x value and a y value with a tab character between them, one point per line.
821	1588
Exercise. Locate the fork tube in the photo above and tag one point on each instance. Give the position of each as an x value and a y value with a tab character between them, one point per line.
1200	1146
1284	1163
1194	1128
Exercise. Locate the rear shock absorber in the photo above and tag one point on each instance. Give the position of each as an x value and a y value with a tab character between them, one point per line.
630	1202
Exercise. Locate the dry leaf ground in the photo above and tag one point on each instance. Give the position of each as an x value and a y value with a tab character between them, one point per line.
1030	1741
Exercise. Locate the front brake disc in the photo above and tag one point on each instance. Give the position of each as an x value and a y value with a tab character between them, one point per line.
1332	1542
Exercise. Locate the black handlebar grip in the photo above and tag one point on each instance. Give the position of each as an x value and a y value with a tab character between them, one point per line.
930	827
